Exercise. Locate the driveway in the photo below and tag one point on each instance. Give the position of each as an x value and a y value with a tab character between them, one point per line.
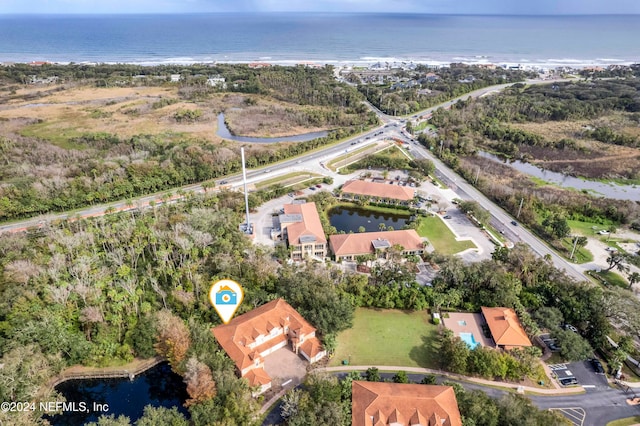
600	253
263	219
283	366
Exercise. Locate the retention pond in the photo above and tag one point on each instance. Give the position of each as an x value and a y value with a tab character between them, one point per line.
158	386
350	219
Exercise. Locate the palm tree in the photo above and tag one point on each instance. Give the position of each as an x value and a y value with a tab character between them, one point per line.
382	226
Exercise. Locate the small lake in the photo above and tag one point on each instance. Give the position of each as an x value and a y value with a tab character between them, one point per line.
601	189
158	386
351	218
223	132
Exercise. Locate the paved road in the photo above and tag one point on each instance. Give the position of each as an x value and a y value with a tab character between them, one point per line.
308	161
500	218
596	407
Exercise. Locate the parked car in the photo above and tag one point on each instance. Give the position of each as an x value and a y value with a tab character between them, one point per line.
597	366
447	217
222	182
318	185
568	381
313	188
603	232
570	328
551	344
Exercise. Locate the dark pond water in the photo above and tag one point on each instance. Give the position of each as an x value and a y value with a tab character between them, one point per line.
608	190
223	132
158	386
351	218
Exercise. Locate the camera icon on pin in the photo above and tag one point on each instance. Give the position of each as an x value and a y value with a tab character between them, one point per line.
226	296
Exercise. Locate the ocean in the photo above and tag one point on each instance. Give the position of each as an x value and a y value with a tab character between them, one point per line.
325	38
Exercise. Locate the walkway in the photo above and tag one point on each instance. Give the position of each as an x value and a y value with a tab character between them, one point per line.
493	383
132	369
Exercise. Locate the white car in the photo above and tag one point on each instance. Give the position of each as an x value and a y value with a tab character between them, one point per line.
603	232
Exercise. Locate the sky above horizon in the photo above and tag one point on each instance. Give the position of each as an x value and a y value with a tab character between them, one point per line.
488	7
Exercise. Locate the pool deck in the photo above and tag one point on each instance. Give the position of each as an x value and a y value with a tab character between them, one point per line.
472	325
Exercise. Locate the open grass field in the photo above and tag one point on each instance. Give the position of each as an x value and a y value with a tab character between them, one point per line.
440	237
388	337
59	116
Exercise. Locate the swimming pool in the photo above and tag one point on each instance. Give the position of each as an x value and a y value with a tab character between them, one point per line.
469	340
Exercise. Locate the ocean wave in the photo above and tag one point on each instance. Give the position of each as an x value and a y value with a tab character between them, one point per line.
432	60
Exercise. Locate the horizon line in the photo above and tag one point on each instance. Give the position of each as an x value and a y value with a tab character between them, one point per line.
4	14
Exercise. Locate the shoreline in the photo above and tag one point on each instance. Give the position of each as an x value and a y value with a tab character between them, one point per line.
366	62
81	372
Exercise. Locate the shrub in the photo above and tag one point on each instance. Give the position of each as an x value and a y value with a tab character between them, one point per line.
187	115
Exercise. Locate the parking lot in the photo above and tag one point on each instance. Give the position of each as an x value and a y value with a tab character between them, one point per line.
584	373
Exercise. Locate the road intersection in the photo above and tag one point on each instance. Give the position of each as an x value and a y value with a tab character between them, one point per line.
313	161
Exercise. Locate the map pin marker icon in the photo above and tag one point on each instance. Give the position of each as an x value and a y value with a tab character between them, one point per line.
225	296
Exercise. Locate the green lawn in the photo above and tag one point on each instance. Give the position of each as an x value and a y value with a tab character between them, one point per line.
423	125
611	278
588	229
582	255
388	337
440	237
629	421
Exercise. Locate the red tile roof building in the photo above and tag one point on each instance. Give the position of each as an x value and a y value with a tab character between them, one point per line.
302	229
505	328
378	192
378	404
348	246
250	337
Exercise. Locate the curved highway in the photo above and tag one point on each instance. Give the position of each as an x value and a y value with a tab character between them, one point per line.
500	219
